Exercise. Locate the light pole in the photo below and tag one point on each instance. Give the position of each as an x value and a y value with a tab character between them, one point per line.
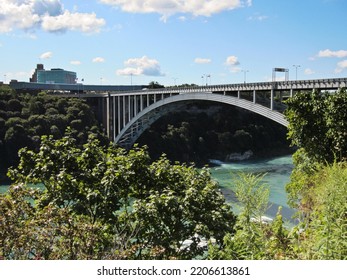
245	75
296	71
206	76
175	79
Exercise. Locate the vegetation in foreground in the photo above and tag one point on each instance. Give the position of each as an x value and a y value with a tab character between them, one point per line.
106	203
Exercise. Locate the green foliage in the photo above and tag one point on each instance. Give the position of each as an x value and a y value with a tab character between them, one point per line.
299	189
253	195
154	84
202	131
106	202
24	118
318	127
318	123
254	239
325	236
184	204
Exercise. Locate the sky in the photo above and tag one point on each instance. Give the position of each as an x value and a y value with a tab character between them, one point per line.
174	42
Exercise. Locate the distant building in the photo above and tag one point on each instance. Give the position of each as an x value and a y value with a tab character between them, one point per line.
33	79
53	76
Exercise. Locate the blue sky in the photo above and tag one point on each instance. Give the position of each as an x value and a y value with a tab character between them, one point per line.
174	41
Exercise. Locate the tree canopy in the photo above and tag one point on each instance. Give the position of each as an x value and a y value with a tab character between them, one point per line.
318	124
134	208
26	117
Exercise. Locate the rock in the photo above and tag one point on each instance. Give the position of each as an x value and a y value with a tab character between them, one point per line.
239	156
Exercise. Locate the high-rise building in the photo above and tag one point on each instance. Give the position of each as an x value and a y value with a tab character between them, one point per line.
33	79
53	76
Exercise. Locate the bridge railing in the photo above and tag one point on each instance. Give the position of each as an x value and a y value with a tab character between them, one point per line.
277	85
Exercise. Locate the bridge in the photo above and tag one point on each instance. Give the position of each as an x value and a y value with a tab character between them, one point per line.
127	112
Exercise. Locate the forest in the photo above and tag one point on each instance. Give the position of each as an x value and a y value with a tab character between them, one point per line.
24	118
76	196
204	130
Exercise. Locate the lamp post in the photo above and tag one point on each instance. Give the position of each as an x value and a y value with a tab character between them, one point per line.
206	76
296	71
245	75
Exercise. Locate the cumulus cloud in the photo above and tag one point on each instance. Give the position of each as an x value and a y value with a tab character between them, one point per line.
141	66
329	53
342	65
49	15
199	60
232	61
167	8
46	55
98	60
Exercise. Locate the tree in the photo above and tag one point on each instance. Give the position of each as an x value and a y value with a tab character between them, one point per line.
183	205
27	117
153	85
318	127
146	210
318	124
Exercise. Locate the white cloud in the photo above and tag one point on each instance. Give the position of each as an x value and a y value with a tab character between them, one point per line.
329	53
167	8
309	71
257	17
75	62
342	65
98	60
46	55
199	60
232	60
49	15
87	23
141	66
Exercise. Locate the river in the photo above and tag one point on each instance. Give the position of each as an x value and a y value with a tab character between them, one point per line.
277	172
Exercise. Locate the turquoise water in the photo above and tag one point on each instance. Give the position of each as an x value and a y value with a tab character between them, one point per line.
3	188
277	172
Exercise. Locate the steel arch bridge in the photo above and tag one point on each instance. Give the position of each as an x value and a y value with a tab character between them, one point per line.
129	114
143	120
126	114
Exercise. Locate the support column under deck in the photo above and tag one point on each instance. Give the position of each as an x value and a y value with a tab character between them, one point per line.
108	116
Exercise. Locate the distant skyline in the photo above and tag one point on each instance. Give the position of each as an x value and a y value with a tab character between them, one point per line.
119	42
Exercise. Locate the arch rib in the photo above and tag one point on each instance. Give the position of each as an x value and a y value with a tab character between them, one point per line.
135	127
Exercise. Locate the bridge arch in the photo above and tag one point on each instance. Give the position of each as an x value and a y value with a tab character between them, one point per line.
137	125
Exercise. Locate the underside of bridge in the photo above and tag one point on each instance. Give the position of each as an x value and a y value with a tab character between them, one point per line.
145	118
